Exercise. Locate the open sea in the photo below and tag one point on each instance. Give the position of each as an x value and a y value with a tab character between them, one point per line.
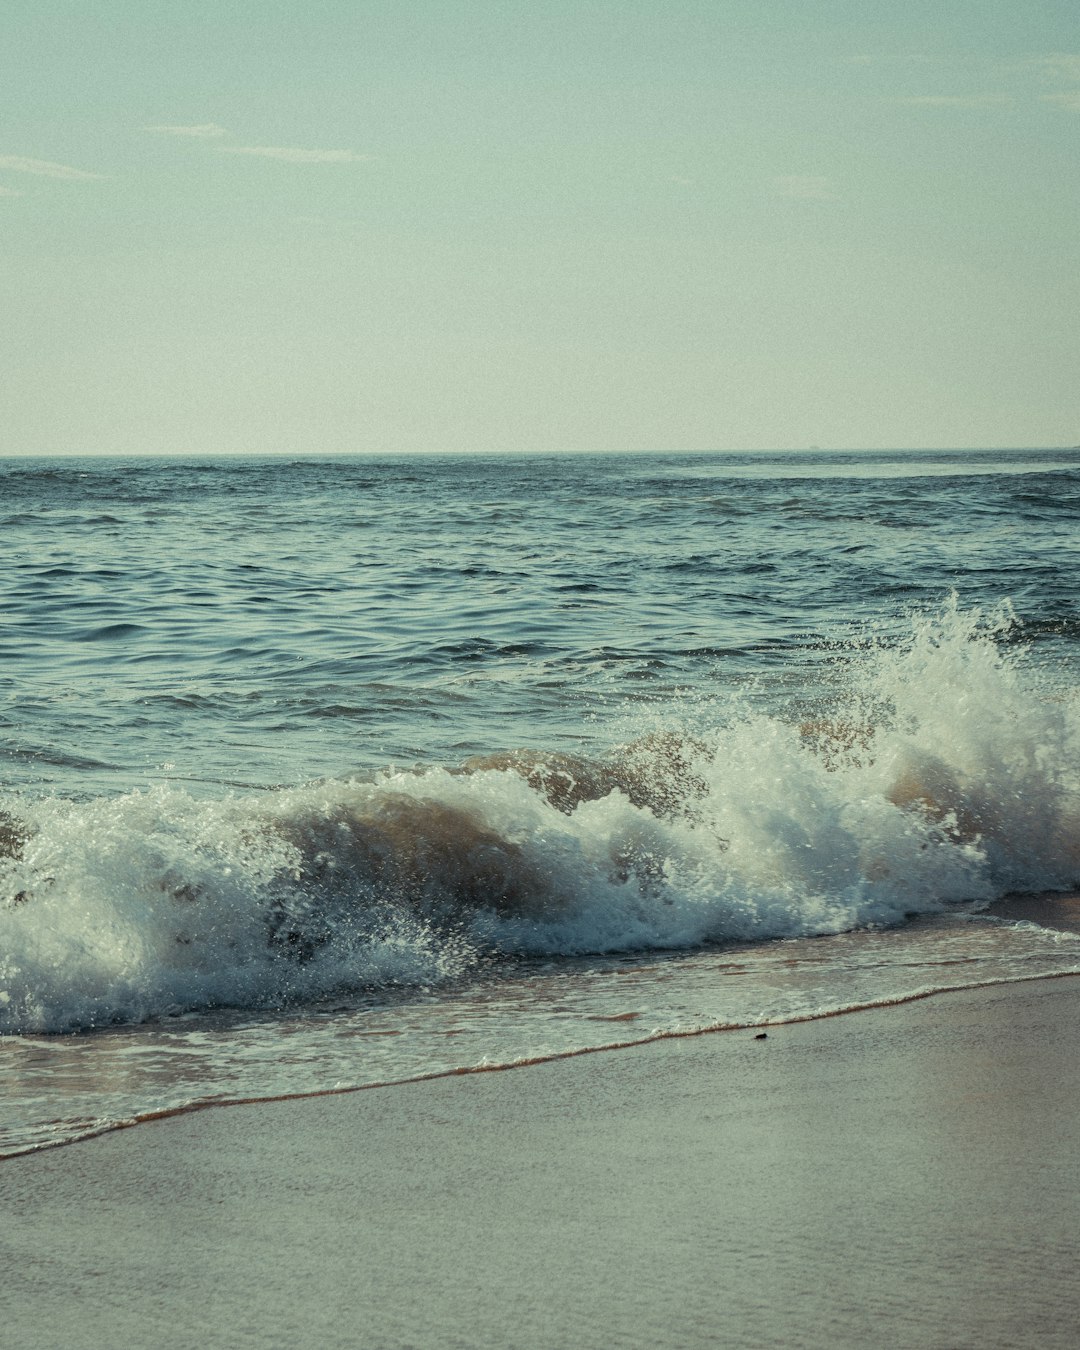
324	773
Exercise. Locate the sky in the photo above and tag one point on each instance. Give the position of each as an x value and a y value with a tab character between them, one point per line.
267	226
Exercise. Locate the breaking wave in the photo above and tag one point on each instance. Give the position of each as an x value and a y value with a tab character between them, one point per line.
945	769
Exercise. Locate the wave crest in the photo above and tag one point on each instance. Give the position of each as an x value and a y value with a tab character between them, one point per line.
944	771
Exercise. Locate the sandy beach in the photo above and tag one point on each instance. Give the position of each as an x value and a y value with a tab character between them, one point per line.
905	1176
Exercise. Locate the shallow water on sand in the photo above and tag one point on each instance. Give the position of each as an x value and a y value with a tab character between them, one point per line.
534	1011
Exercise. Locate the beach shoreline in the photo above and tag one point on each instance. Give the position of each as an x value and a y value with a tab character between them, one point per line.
905	1175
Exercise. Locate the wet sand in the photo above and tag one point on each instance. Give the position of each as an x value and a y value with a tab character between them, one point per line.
901	1177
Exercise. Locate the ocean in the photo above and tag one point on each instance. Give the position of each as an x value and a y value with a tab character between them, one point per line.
326	773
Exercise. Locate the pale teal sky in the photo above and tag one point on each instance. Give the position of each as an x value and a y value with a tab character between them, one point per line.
455	225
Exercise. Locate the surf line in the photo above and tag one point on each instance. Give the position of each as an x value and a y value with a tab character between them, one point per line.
190	1108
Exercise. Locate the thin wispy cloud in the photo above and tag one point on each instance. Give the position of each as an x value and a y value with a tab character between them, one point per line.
806	187
44	168
954	100
1058	66
293	155
895	59
201	131
1049	68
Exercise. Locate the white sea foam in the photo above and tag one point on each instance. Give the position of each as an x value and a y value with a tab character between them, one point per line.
946	771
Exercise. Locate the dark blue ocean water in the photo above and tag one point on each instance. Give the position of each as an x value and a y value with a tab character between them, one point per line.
432	761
